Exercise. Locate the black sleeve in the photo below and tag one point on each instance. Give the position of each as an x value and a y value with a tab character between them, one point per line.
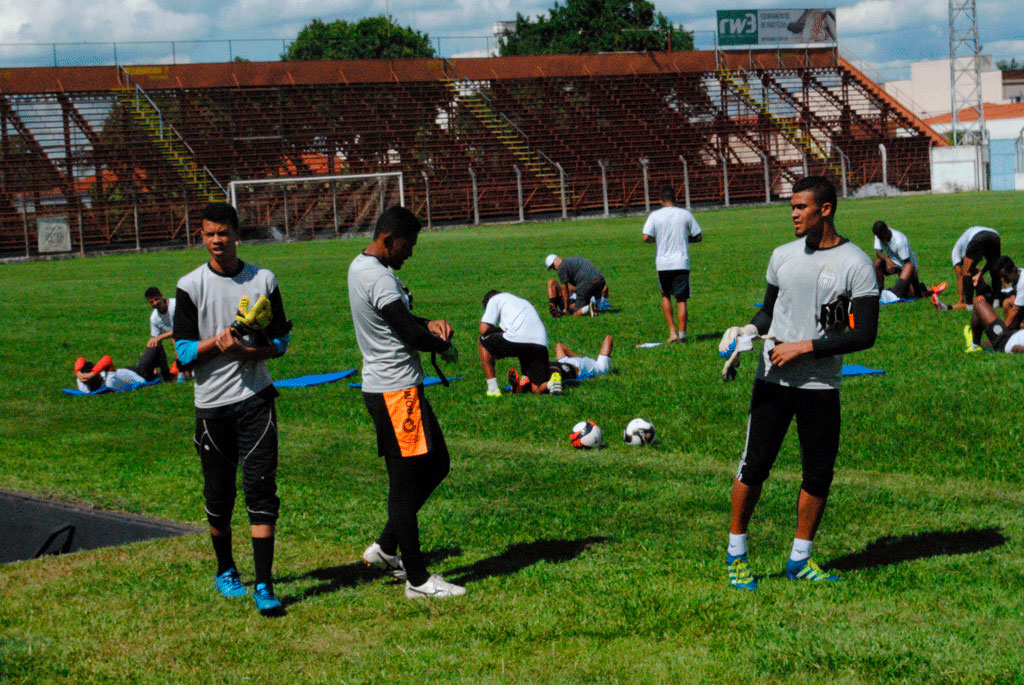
411	329
763	318
860	335
279	323
186	317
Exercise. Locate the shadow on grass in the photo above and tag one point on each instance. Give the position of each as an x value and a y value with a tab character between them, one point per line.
523	554
333	578
893	550
709	336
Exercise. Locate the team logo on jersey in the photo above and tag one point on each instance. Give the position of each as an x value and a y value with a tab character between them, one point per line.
827	279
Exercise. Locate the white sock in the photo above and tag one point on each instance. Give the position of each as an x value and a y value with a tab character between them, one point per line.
492	384
801	549
737	544
682	335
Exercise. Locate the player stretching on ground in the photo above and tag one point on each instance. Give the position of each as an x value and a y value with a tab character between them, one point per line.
821	302
576	275
975	244
1001	337
236	422
672	229
575	368
894	255
408	434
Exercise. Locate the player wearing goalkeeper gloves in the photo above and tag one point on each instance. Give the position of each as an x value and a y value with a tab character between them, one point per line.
228	321
409	437
821	302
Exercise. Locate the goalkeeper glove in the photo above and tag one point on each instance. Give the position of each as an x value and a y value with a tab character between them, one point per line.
251	319
728	343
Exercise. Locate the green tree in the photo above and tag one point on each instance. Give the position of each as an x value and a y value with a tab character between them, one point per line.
368	38
581	26
1009	64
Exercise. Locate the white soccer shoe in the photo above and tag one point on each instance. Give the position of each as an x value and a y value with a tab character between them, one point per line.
436	586
389	563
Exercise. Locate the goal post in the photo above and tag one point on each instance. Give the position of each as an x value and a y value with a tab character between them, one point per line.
311	206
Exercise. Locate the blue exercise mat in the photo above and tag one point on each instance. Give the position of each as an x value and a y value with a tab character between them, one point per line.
103	389
897	301
858	370
430	380
313	379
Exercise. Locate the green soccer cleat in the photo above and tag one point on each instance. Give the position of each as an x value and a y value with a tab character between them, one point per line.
969	337
740	576
555	384
807	569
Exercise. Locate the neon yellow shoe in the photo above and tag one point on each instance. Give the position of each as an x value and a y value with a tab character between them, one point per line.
740	576
969	337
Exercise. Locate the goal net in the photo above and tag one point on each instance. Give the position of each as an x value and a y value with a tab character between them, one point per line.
314	206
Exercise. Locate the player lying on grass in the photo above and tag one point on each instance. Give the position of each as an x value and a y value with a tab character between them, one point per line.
1002	336
821	302
511	327
894	256
975	244
1013	297
152	364
575	275
575	368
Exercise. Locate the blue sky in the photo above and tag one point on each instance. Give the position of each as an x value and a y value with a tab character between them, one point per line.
888	34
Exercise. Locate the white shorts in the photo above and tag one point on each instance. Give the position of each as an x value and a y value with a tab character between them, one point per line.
588	368
1015	340
122	379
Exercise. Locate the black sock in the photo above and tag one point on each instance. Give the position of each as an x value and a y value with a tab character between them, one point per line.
263	559
222	548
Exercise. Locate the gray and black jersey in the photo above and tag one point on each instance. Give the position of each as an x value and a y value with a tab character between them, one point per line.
577	271
206	304
809	283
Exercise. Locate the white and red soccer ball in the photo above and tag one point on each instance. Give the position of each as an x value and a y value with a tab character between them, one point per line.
585	435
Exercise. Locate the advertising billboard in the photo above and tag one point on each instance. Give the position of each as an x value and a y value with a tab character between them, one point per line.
774	27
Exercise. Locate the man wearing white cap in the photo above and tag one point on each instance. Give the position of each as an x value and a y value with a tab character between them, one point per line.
575	275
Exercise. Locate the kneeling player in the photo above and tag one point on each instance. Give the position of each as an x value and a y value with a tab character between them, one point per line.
511	327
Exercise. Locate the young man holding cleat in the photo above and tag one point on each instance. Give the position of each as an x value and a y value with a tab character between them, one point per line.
511	327
226	343
672	229
894	256
821	302
409	437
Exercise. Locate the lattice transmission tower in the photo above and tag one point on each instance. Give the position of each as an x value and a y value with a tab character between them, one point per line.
965	73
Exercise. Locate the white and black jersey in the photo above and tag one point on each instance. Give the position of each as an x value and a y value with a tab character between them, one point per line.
207	303
813	284
897	248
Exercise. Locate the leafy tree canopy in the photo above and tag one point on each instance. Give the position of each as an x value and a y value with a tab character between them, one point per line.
368	38
581	26
1009	64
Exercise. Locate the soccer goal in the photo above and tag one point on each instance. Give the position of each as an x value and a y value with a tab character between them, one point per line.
314	206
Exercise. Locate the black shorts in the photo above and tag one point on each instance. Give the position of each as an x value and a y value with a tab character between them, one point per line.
986	245
675	283
587	290
405	423
818	418
533	359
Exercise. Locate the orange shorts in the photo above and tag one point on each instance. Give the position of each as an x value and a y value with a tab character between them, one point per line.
404	421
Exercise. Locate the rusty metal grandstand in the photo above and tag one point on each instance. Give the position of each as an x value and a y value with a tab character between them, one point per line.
130	155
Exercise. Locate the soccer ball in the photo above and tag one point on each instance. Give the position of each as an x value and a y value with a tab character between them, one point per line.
585	435
638	432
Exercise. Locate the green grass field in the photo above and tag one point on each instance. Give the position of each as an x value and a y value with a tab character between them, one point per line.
599	566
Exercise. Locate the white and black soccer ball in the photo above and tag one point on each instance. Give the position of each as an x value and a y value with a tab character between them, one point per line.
638	432
585	435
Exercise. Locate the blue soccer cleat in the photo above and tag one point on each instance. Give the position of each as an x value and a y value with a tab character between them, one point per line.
807	569
740	576
266	601
229	584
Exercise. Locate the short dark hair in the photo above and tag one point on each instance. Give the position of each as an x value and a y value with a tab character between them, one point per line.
1005	265
821	188
880	229
153	291
668	195
221	213
397	221
489	295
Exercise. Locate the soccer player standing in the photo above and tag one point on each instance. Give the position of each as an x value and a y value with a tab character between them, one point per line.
409	437
236	421
821	302
672	229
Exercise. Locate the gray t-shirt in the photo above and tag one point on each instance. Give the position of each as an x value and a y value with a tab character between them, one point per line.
388	363
671	228
517	318
808	279
221	380
578	270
